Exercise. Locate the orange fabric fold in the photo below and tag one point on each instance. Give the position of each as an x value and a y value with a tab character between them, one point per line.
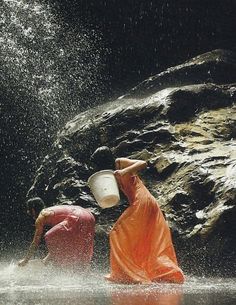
141	246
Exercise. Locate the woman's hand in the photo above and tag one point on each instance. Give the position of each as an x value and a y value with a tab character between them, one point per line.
46	259
22	262
120	172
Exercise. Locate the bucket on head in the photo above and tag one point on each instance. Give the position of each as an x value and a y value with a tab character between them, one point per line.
104	188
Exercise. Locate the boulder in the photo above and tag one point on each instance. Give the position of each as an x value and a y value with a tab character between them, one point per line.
182	120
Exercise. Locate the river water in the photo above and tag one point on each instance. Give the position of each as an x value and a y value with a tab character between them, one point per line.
39	285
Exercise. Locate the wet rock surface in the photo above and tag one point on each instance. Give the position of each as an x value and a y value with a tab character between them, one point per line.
182	120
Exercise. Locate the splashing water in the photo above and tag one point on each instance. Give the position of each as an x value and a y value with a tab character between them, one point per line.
50	72
41	56
37	284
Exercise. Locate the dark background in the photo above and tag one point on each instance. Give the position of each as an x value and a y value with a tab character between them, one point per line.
145	37
139	38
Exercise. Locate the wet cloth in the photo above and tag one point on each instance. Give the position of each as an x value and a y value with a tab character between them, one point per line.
140	241
70	240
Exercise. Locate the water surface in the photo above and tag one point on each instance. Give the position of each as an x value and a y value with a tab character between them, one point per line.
37	285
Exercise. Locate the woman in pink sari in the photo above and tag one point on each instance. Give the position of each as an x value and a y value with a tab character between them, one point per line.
70	239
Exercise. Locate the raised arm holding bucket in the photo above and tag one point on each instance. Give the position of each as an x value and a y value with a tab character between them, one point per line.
141	248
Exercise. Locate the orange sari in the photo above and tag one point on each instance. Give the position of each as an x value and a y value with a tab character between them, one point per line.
140	241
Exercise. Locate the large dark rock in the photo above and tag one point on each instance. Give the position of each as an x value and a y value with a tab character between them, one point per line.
183	120
218	66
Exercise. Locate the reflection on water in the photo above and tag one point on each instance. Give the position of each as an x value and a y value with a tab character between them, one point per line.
37	285
150	296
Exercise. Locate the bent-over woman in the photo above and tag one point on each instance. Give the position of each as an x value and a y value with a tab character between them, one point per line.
141	248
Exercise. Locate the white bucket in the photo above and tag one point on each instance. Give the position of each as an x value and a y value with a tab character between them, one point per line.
104	188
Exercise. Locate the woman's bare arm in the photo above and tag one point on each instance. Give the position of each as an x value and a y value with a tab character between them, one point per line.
37	237
129	166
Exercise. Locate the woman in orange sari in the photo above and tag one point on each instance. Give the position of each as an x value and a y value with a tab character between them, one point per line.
141	248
